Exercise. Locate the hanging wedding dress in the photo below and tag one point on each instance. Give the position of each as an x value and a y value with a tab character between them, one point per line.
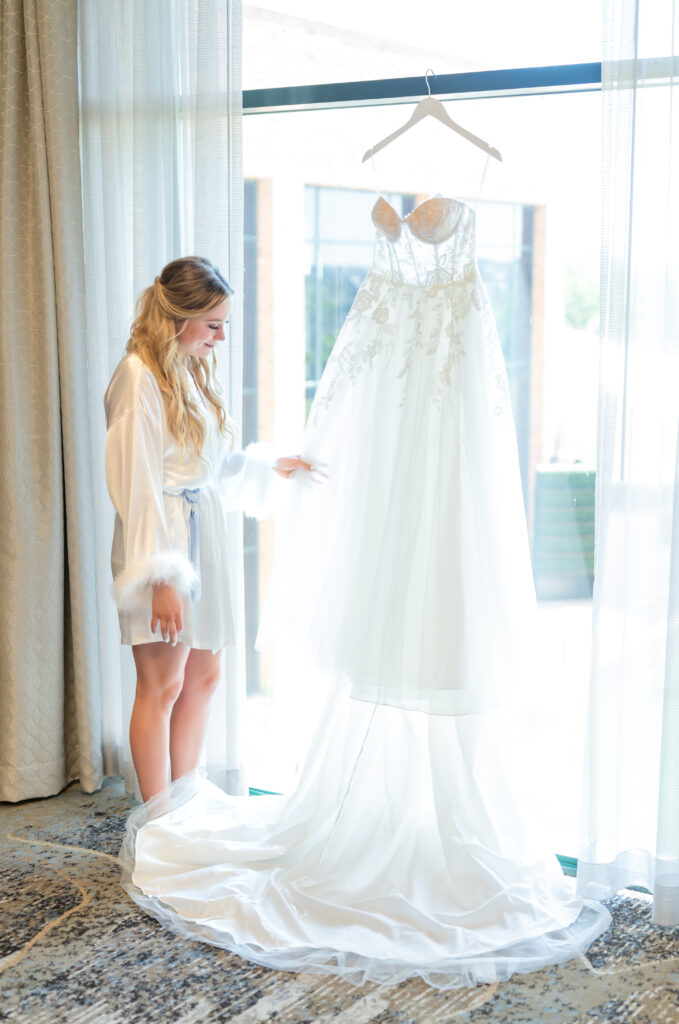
403	586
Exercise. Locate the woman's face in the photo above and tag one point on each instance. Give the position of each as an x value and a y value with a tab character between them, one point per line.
201	333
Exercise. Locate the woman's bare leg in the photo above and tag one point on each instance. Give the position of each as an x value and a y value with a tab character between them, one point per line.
190	711
160	676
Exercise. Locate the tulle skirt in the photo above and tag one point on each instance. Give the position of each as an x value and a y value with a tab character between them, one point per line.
408	571
402	853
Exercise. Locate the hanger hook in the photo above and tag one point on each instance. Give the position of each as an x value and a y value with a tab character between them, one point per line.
427	73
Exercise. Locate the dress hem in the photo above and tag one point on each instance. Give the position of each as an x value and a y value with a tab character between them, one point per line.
136	641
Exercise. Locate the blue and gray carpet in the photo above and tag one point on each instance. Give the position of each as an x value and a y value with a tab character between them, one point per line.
74	948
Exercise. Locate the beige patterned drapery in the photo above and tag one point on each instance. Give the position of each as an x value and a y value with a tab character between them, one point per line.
50	714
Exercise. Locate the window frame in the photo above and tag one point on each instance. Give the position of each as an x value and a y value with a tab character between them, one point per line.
523	81
535	81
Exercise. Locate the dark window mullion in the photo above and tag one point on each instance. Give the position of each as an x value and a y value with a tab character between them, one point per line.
510	81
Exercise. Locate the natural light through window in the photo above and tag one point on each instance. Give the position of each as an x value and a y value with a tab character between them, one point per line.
309	198
354	41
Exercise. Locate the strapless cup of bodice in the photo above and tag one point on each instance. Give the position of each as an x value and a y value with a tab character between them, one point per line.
434	221
436	237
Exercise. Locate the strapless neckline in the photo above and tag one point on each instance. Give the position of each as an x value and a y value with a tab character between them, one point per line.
433	221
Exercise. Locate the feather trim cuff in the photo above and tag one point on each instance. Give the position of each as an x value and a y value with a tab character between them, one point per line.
260	488
132	587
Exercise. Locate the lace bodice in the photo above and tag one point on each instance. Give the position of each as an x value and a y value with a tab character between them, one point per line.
434	244
414	301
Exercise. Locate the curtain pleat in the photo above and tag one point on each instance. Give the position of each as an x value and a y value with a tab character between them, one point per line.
162	178
666	904
50	710
630	835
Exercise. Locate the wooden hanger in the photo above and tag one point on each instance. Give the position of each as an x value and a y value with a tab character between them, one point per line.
432	107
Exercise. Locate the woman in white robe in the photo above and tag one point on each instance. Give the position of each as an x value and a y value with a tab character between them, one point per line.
172	473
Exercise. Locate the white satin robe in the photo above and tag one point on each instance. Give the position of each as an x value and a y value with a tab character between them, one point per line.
162	534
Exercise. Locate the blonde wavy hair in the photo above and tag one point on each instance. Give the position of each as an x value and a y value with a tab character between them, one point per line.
186	288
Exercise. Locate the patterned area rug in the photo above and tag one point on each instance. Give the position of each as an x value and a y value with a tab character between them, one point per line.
74	948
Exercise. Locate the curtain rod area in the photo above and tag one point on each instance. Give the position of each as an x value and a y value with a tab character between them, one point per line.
465	85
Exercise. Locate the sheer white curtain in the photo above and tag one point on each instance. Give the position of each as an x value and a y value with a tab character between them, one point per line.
161	112
631	807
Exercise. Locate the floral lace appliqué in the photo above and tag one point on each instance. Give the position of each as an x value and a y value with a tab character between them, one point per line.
412	305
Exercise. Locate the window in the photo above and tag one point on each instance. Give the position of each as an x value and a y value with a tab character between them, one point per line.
538	253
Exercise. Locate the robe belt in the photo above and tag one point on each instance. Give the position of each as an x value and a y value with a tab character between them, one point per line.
192	517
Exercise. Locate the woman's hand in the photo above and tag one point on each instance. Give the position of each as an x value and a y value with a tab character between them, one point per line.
167	611
287	465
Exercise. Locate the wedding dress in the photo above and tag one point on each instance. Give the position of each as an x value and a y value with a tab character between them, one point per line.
402	585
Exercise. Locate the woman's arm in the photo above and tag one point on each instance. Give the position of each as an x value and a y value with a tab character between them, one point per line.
134	476
249	478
